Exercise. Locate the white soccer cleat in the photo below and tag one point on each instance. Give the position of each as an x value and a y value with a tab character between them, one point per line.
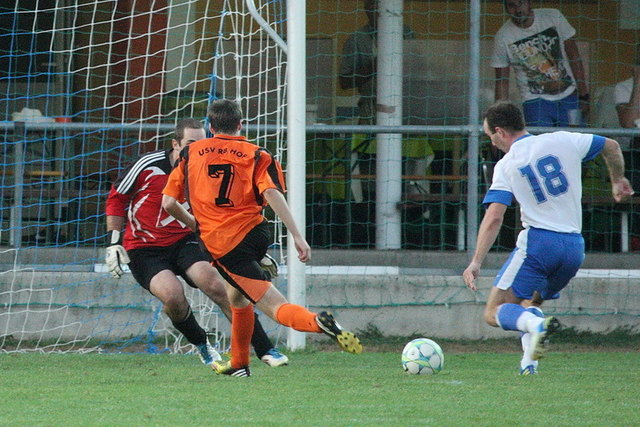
208	354
274	358
540	338
529	370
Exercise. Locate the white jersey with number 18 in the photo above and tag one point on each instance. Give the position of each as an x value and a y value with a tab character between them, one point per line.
544	174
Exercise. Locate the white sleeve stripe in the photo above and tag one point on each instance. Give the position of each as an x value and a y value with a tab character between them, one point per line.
130	178
509	274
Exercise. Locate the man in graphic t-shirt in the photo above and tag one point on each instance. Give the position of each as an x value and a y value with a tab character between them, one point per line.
538	44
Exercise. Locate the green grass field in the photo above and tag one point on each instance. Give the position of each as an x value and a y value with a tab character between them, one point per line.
320	388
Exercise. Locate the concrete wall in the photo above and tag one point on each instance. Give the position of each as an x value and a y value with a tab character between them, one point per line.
77	306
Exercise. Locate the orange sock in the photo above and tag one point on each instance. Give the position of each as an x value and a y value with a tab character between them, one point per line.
241	331
298	318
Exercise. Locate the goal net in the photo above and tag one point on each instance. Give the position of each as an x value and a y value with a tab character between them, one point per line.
86	87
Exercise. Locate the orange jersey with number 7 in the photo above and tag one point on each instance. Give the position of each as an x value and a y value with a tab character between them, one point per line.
223	179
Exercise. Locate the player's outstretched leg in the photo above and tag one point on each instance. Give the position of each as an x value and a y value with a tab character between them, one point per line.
347	340
540	337
299	318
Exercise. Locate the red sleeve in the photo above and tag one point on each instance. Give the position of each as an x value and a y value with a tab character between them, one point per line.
117	203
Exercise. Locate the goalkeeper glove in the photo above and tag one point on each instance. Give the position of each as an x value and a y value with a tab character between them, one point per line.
115	254
269	265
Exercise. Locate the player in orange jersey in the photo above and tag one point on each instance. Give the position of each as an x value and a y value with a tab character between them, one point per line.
158	248
227	181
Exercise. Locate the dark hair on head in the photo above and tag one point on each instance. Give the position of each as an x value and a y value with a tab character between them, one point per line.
186	124
506	115
224	116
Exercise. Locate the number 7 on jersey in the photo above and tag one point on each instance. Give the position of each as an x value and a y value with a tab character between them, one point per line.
226	173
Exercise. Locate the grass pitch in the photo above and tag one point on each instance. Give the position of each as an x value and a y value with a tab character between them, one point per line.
319	389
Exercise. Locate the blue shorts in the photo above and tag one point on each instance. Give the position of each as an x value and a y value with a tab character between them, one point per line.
542	261
540	112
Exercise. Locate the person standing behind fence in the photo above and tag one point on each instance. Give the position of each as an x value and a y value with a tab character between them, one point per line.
227	181
544	174
158	248
359	60
538	44
358	71
627	99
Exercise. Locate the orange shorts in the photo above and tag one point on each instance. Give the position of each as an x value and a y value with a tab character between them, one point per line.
253	289
241	266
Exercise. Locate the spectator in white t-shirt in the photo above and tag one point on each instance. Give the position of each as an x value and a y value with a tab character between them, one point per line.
539	45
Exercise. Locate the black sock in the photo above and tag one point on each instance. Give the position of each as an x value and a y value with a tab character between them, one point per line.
191	330
260	341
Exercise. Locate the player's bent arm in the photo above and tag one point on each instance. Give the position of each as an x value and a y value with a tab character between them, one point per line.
279	205
488	232
502	84
178	211
489	229
620	186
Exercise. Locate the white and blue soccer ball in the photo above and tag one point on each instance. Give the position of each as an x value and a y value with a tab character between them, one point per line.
422	356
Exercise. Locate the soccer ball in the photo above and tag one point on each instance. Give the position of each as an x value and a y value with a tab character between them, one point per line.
422	356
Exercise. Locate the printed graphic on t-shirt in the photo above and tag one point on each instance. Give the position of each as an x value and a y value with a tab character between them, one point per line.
540	56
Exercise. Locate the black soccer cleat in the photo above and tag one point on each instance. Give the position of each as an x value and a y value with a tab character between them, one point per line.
347	340
225	368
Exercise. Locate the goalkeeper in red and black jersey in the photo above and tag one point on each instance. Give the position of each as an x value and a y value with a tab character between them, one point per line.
158	248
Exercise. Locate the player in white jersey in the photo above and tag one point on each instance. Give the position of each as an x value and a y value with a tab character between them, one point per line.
543	173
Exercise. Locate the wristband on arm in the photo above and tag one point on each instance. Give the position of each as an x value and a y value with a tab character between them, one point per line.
114	237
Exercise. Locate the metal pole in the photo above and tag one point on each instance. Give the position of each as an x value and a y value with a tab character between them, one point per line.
389	112
296	154
624	232
86	127
15	237
265	26
474	134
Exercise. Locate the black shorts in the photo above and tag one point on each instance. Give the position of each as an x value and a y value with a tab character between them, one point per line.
241	266
149	261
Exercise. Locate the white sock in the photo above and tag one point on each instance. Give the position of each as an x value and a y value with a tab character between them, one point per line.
526	360
535	309
528	322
